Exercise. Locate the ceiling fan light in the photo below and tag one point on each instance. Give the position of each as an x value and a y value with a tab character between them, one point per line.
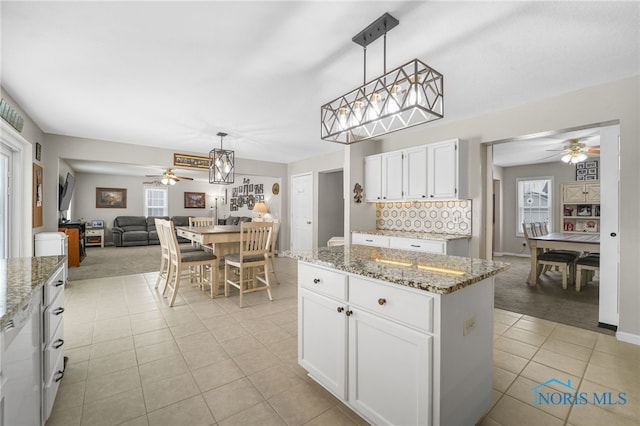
566	158
581	157
172	181
164	181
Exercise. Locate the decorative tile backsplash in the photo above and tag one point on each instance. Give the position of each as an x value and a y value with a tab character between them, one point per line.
444	217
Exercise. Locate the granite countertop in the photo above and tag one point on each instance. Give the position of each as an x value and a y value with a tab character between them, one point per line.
434	273
20	279
417	235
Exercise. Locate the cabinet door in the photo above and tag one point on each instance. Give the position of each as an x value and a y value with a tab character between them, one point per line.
592	192
392	176
389	371
443	169
415	173
573	193
322	340
373	178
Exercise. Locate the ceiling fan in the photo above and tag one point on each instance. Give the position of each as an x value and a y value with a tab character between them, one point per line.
576	151
168	177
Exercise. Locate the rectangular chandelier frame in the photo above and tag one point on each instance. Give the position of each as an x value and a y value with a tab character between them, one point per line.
409	95
221	166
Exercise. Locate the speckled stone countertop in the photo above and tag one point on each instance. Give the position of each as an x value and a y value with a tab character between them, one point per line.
20	278
434	273
416	235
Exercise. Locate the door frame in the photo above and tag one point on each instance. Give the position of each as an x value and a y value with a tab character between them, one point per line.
486	152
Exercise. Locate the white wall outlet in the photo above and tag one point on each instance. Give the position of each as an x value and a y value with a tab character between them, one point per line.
467	325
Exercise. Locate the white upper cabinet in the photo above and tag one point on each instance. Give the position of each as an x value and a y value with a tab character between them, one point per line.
415	173
373	178
426	172
392	188
447	170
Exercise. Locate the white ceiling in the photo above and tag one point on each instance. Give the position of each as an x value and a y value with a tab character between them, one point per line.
173	74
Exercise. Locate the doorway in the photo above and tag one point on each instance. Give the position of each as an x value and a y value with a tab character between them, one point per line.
330	206
503	236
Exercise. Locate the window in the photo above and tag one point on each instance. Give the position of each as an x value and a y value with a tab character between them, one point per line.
535	202
156	201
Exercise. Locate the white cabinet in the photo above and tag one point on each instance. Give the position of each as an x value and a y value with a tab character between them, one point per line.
457	247
392	185
52	338
373	178
394	354
389	363
389	370
425	172
369	240
580	209
415	173
322	340
447	170
581	192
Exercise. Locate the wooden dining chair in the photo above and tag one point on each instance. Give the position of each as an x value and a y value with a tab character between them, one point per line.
255	240
586	267
181	264
272	248
163	275
564	261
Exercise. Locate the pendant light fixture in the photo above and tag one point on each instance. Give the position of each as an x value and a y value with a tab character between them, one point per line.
409	95
221	164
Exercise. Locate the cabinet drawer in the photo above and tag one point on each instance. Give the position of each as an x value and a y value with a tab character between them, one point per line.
409	307
53	317
51	387
370	240
52	352
323	281
54	286
427	246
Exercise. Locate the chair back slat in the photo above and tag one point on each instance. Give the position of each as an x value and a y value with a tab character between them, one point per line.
200	221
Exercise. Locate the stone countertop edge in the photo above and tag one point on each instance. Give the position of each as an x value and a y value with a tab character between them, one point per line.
417	235
20	279
435	273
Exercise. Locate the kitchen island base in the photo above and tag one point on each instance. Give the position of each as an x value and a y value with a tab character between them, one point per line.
396	354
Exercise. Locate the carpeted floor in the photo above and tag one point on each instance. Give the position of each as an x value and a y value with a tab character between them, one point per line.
114	261
547	300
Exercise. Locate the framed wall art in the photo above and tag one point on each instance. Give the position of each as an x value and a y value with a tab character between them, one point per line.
192	161
194	200
37	196
111	198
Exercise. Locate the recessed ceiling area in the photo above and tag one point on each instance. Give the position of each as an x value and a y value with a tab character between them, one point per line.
173	74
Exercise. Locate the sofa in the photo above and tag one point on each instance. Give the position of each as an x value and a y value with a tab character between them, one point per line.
141	231
234	220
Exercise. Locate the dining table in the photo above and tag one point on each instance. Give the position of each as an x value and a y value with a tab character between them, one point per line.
560	241
224	239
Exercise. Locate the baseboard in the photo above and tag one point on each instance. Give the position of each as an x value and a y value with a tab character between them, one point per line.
510	254
628	337
608	326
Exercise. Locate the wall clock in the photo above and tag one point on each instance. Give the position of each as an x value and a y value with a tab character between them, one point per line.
275	188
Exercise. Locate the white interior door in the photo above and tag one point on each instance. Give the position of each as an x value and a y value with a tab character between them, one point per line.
609	230
302	212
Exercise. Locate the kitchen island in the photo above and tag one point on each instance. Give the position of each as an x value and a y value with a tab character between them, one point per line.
401	337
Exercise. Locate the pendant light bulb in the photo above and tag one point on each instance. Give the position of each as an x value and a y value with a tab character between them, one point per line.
415	94
393	105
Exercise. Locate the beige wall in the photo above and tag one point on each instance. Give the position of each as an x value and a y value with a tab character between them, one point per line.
560	172
618	100
60	148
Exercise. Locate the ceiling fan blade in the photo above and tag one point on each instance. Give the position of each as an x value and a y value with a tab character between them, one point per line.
593	150
183	178
153	176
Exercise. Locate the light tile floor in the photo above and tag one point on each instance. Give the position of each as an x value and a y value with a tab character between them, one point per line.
135	361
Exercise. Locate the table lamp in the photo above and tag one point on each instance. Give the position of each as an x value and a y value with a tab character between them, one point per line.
261	209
